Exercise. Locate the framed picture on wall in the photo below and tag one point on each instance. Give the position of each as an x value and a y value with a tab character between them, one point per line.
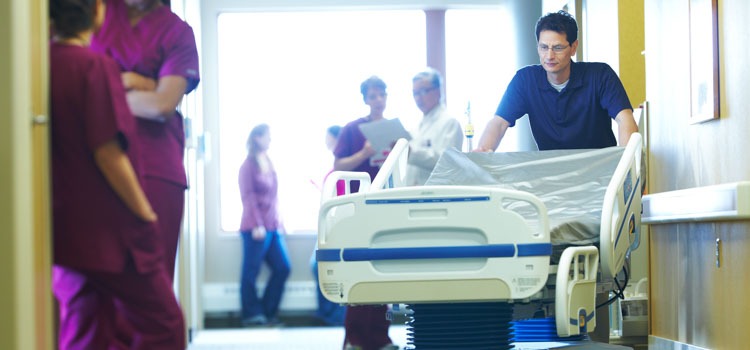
704	60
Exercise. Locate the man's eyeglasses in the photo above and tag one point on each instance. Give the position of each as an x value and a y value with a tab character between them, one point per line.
555	49
422	92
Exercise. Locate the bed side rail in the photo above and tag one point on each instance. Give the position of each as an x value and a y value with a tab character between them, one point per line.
390	175
621	210
393	170
575	291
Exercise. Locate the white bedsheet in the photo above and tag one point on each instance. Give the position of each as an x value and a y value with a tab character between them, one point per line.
570	183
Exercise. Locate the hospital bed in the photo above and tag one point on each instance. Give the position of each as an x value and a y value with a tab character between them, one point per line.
471	247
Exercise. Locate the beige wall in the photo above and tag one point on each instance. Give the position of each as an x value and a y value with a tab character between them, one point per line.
687	155
25	299
692	301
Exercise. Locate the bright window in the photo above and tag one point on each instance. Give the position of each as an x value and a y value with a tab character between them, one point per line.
300	72
480	63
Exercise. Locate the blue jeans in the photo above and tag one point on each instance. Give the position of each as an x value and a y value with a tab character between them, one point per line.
329	312
273	251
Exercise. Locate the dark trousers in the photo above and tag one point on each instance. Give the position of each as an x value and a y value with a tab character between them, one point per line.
366	326
272	250
89	302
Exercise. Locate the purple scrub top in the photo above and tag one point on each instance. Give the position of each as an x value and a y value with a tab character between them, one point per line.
350	141
160	44
93	229
258	191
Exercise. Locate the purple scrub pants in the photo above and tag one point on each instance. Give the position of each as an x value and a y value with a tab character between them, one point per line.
89	302
168	201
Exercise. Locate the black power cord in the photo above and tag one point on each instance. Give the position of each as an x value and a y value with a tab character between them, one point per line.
620	291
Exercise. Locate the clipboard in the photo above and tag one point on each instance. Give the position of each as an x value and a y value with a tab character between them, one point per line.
382	134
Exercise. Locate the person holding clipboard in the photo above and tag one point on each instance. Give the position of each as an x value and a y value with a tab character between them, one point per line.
366	326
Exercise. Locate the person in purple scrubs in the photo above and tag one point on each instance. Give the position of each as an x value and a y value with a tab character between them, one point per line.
105	249
158	60
366	326
260	229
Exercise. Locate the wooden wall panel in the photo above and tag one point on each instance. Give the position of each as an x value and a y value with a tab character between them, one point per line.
692	300
663	282
707	311
728	319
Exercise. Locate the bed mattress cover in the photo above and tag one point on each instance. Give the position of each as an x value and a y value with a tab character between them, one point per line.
570	183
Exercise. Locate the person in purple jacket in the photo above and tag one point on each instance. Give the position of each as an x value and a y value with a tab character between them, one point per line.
366	326
105	248
158	60
260	229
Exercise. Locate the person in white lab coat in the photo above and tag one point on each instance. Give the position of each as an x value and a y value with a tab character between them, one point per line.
437	131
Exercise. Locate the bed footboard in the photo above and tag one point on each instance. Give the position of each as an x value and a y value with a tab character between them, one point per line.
431	244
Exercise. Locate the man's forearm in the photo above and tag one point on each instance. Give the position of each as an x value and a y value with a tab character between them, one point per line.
492	135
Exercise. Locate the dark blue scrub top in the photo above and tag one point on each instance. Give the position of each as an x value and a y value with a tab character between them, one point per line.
577	117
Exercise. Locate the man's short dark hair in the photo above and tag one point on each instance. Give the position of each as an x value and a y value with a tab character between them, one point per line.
560	22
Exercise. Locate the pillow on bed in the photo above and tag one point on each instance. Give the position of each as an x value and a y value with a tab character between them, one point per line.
570	183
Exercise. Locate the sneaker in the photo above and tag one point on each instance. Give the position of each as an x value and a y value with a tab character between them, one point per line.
255	321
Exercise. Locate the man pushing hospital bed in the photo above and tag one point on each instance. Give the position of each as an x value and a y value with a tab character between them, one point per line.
488	233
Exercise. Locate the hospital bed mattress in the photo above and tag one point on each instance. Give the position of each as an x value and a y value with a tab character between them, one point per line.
570	183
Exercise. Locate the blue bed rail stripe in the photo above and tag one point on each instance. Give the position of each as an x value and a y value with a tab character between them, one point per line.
450	252
328	255
427	200
534	249
484	251
632	194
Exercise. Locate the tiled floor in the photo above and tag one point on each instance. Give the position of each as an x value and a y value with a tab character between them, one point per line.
291	338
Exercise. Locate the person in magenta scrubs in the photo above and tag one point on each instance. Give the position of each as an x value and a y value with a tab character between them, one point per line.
260	228
158	61
105	249
366	326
